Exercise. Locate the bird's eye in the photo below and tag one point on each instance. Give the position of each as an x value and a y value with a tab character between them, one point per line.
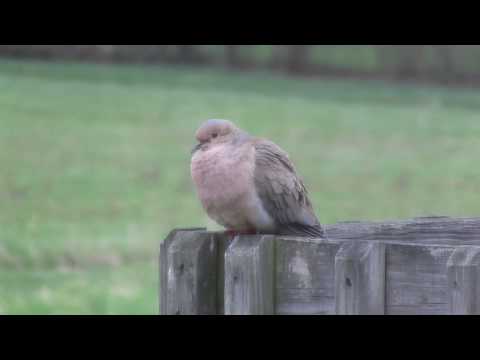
214	135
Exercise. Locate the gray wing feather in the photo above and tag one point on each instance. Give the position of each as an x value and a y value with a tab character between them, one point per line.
283	193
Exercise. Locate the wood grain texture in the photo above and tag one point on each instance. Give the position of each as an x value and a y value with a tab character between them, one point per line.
305	272
464	281
360	279
427	230
416	280
249	276
223	242
191	279
163	267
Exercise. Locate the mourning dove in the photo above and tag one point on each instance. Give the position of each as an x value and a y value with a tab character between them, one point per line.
248	184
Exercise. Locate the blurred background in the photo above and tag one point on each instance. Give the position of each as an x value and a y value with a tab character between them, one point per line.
95	147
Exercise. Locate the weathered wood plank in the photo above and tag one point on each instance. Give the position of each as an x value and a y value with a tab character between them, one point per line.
163	268
162	288
464	281
360	279
249	276
190	264
305	272
223	242
427	230
416	279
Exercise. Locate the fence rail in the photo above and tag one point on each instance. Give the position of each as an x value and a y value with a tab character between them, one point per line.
419	266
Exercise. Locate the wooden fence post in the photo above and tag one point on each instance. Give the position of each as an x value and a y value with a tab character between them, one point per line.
463	269
249	276
360	279
188	273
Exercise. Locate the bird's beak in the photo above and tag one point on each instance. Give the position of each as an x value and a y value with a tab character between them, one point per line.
196	148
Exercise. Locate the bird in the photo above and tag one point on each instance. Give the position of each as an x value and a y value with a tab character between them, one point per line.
248	185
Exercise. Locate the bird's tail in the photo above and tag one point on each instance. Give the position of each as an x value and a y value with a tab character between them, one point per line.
296	229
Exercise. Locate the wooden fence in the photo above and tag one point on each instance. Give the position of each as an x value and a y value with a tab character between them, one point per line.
420	266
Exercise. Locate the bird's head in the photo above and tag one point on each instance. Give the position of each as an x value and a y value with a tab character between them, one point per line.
214	132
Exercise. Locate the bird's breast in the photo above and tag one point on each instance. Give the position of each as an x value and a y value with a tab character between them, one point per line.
222	173
224	179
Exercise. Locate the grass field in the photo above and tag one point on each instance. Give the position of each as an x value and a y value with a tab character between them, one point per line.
95	166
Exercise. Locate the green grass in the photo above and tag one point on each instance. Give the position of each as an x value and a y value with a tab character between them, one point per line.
129	289
95	166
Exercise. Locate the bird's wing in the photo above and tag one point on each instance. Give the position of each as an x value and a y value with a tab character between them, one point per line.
282	192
